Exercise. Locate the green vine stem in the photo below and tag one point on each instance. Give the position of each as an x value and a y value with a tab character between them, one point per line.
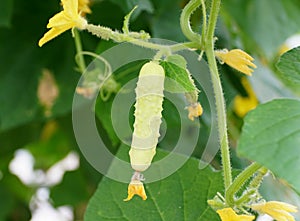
79	57
220	103
240	181
257	180
204	22
252	189
185	20
106	34
246	197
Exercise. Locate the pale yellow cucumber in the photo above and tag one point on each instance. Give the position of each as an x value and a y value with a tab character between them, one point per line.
148	108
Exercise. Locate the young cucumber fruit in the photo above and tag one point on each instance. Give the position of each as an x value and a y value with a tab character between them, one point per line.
148	108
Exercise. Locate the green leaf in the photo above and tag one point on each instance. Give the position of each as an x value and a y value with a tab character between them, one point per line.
289	66
127	19
179	78
6	12
181	196
178	60
271	136
267	23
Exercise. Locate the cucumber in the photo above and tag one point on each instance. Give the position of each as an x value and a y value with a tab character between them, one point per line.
148	108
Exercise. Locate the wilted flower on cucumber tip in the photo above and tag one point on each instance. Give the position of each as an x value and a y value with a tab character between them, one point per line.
136	187
195	110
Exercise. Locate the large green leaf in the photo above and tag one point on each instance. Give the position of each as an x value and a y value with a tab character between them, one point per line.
267	23
181	196
289	67
271	136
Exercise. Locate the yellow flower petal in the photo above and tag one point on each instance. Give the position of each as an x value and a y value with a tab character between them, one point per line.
83	6
277	210
70	7
282	206
136	188
52	33
195	110
228	214
59	19
237	59
62	21
242	105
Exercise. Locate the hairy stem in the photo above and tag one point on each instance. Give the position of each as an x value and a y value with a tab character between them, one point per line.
79	56
106	34
253	187
203	23
240	181
185	20
256	182
217	87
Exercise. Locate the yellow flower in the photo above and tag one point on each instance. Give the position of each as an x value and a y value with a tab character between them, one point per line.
64	20
242	105
195	110
228	214
83	6
237	59
136	187
278	210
